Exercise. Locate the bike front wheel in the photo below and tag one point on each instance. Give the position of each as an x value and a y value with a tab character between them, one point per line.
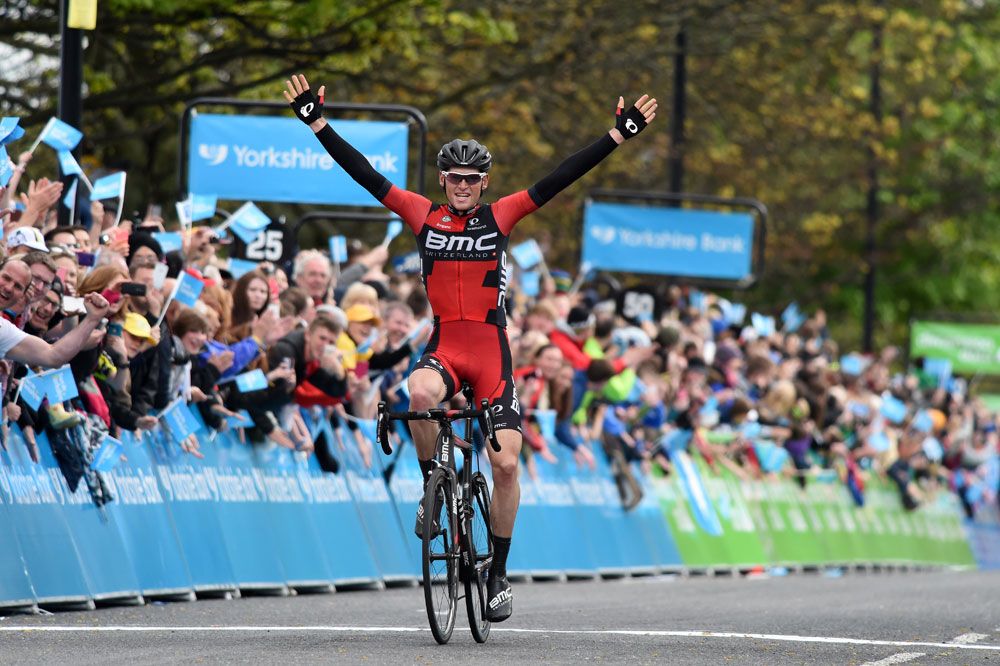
479	547
440	554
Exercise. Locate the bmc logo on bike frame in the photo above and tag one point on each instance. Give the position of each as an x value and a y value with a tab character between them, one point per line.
455	243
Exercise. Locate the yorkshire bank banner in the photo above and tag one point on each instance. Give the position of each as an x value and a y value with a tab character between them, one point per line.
270	158
668	241
971	348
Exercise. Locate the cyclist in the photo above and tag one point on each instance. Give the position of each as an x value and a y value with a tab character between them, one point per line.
462	246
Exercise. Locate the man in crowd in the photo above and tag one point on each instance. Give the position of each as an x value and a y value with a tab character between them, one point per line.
313	274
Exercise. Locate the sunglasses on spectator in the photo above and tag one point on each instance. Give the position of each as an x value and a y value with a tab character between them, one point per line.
457	178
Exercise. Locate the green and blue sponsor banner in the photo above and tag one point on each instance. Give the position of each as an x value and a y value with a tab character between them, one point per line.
668	241
271	158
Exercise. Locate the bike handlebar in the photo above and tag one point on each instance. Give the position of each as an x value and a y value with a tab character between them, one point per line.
484	415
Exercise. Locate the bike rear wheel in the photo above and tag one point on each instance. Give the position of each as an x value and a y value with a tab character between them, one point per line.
440	557
479	546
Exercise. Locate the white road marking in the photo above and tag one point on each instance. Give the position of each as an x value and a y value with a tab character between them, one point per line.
900	658
969	638
507	630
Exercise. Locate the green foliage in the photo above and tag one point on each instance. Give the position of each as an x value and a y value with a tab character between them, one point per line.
778	109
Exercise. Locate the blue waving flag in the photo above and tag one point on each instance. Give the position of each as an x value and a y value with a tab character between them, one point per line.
530	283
109	187
170	241
60	135
203	206
763	325
188	289
6	167
255	380
893	409
60	385
248	221
240	267
771	456
33	390
527	254
107	455
9	130
68	163
179	421
792	318
338	249
393	230
70	199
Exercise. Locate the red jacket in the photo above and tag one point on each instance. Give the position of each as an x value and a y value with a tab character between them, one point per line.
572	350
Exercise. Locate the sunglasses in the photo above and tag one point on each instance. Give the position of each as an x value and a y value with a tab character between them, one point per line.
457	178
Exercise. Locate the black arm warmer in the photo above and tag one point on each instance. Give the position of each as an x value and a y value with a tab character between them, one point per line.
572	168
353	162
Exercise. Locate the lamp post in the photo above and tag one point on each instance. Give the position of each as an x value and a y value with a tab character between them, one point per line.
872	206
70	85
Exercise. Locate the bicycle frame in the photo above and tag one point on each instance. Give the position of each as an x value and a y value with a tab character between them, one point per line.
462	492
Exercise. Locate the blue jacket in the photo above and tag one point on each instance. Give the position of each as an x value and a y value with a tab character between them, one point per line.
244	352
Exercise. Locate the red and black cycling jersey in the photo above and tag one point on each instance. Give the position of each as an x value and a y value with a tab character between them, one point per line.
463	255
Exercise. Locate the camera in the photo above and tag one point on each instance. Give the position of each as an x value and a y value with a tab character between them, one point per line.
133	289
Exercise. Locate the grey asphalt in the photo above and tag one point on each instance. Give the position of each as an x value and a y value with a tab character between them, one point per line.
804	617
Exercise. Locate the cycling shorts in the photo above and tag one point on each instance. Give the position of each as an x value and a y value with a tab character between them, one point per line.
477	353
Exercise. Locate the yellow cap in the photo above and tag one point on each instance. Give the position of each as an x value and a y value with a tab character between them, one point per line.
361	312
137	325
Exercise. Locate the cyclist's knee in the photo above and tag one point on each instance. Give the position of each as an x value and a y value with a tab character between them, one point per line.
425	392
505	470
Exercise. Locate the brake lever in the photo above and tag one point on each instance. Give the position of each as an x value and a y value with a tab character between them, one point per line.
382	429
487	424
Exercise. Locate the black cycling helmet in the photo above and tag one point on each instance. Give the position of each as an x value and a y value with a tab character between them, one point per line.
462	153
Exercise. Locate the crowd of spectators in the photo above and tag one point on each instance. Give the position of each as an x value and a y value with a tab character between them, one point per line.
333	340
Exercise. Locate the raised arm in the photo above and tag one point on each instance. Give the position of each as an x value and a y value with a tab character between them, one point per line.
628	123
309	109
34	351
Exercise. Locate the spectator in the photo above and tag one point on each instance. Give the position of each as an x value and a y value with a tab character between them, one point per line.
312	273
251	296
296	303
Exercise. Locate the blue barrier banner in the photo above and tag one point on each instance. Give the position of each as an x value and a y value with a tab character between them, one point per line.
378	513
654	527
341	535
95	531
15	585
565	517
33	499
589	494
532	551
625	533
146	528
407	489
296	538
246	529
668	241
193	494
270	158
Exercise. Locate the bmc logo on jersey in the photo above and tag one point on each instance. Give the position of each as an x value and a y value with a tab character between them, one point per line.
456	243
